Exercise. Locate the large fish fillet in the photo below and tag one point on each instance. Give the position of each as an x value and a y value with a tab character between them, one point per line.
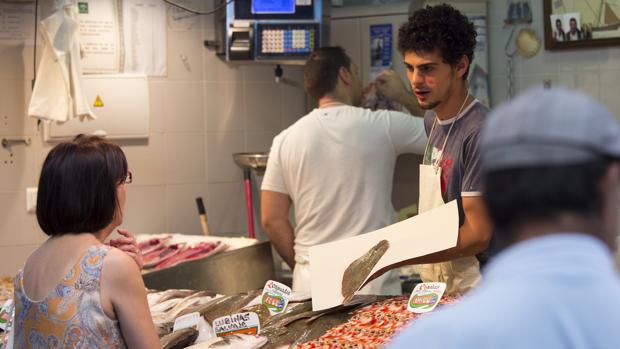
357	272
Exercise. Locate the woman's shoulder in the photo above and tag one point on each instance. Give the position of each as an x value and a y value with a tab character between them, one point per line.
118	261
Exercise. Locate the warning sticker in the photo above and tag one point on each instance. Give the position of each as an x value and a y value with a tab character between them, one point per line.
98	102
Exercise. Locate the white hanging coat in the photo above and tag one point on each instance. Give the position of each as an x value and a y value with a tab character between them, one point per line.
57	94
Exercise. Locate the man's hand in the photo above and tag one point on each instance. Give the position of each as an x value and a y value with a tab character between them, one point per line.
128	244
389	84
392	86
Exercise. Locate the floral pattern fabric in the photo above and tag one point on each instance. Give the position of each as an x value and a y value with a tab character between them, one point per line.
71	315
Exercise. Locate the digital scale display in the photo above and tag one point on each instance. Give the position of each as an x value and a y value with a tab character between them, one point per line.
273	6
287	40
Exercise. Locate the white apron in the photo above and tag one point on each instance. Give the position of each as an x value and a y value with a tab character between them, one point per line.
462	274
387	284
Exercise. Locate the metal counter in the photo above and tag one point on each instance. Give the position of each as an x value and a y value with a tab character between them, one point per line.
230	272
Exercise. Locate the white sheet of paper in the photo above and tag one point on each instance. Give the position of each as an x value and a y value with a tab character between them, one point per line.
100	36
430	232
144	30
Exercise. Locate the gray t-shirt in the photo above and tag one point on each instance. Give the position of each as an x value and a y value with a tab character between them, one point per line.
460	164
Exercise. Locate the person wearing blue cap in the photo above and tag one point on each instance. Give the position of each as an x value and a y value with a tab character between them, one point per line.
550	175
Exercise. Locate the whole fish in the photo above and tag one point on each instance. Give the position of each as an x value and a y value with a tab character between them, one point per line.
300	331
292	310
161	308
228	306
357	272
179	339
260	310
158	297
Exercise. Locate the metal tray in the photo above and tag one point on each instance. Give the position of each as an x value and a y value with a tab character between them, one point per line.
239	270
255	161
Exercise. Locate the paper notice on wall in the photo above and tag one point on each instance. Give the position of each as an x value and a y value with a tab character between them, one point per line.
430	232
100	36
144	33
16	23
380	49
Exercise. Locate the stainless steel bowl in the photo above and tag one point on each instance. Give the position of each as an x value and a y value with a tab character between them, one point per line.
255	161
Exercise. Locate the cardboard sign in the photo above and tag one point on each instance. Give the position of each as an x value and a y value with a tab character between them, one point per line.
276	297
244	323
425	297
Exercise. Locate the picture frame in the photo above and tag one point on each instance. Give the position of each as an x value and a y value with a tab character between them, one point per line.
578	24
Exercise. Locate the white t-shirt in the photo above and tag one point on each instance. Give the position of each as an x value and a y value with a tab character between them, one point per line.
337	165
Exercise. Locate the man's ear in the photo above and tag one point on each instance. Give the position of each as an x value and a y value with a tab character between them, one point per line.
461	66
344	75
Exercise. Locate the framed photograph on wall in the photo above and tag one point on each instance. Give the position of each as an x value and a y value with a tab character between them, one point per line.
573	24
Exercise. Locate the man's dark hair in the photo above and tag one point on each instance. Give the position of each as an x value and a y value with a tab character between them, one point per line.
518	196
78	186
439	27
321	70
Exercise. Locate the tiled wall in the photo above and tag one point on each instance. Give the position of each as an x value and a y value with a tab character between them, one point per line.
201	113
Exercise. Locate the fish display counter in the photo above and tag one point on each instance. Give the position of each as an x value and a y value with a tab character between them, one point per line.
365	322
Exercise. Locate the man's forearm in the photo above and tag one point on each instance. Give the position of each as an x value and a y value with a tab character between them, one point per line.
282	238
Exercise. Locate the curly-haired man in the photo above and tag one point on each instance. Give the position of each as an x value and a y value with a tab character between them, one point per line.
438	47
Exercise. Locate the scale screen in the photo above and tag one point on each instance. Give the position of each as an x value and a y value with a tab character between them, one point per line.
287	40
273	6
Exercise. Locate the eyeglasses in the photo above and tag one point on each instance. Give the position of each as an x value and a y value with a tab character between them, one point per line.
129	178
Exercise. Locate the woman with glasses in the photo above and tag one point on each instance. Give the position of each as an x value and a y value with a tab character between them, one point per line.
74	290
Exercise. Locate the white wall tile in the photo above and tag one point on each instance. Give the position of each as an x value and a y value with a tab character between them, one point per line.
184	107
226	72
14	257
583	60
259	141
224	106
157	91
17	167
184	158
526	82
181	211
259	73
145	160
13	119
211	64
545	62
586	82
185	50
294	104
12	65
145	209
18	227
220	148
226	208
262	106
610	59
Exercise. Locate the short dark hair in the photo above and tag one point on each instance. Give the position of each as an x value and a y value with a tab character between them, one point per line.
517	196
78	186
439	27
321	70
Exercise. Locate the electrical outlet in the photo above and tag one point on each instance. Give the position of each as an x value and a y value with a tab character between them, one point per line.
31	199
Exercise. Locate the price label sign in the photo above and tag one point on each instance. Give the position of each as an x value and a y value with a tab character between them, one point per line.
240	323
